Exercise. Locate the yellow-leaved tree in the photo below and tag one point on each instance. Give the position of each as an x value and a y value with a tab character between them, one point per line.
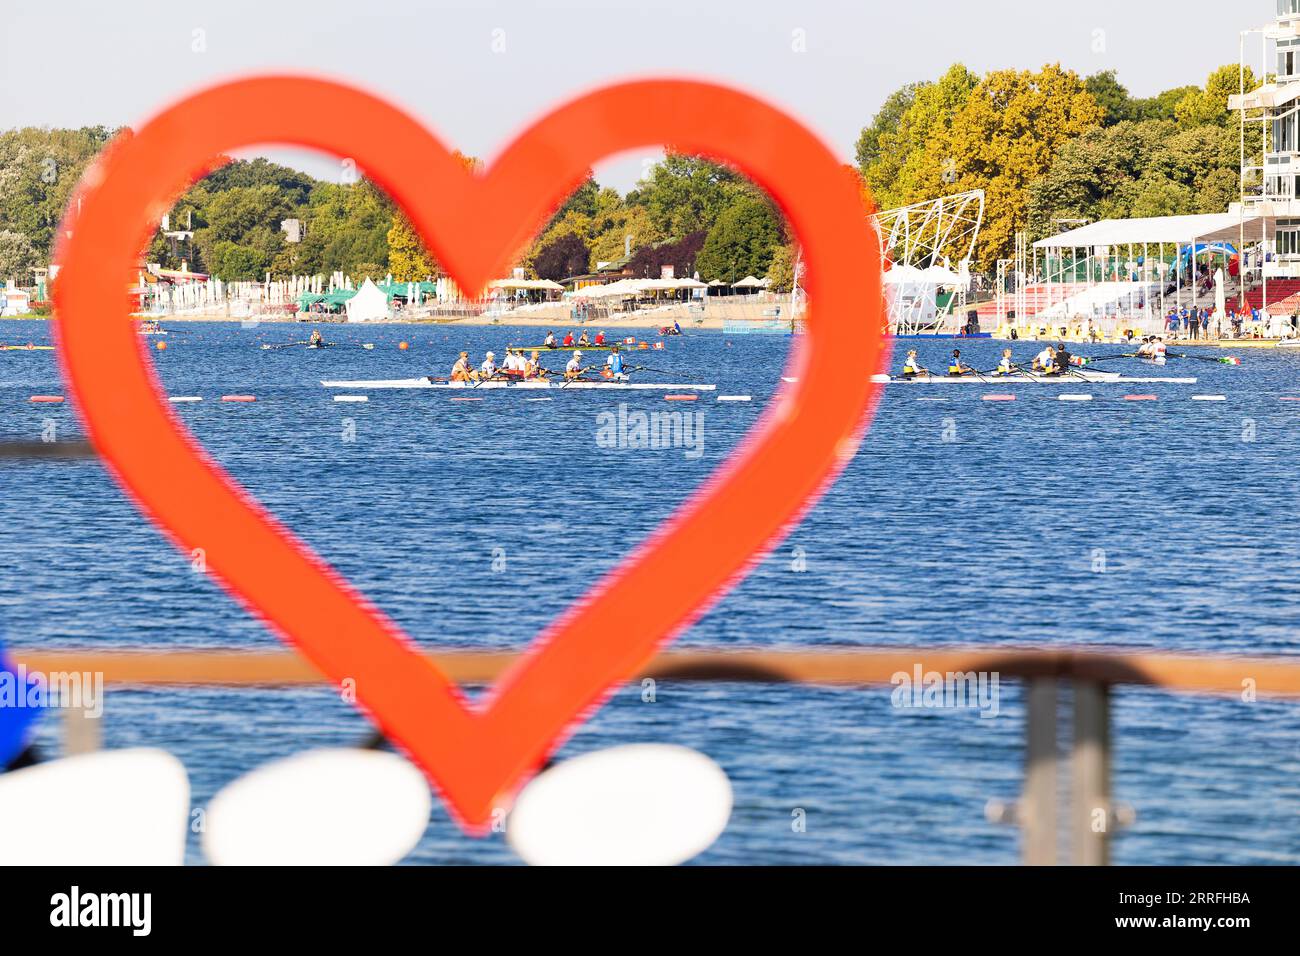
408	259
1003	138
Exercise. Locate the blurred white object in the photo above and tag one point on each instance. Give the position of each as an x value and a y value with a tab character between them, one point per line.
109	808
330	807
636	805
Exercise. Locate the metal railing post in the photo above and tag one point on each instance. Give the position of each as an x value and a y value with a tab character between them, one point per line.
1037	812
1090	805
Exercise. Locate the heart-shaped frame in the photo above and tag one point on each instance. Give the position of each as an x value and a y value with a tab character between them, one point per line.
475	223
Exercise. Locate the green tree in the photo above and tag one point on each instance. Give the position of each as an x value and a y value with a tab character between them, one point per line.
1209	106
17	257
1112	96
741	242
685	193
868	148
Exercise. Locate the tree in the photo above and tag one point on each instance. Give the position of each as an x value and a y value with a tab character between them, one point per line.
38	170
1210	105
742	241
17	257
686	193
408	260
906	154
780	274
1006	136
682	254
868	148
566	256
1111	96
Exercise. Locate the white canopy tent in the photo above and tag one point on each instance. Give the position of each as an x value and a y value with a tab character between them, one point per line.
368	305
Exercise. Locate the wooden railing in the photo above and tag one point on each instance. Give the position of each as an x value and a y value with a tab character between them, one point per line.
1090	673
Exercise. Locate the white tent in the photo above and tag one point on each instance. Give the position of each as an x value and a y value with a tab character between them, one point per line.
368	305
749	282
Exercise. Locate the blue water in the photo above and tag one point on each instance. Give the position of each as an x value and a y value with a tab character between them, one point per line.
1154	525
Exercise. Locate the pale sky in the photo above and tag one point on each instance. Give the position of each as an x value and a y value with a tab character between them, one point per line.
476	70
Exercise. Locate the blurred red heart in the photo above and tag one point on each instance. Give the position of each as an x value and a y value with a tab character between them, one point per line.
476	225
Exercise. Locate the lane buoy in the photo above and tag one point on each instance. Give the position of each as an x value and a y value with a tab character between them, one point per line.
351	398
185	398
1139	398
403	346
999	398
1209	398
239	398
161	346
49	399
1081	397
680	398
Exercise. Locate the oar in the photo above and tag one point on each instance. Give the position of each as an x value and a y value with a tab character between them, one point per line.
284	345
1219	359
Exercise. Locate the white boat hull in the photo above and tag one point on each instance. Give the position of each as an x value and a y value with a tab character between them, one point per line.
1080	378
518	386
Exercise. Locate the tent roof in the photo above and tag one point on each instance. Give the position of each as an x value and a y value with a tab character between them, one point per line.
524	284
749	282
1119	232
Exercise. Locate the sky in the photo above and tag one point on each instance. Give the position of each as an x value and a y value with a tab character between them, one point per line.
475	71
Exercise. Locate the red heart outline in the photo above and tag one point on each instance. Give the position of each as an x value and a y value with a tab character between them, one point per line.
475	223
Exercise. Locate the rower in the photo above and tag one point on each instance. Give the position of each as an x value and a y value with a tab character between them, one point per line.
574	368
316	340
1158	349
957	367
583	340
614	364
489	367
1063	358
461	372
1006	366
550	341
533	366
513	364
568	340
600	338
911	367
1144	350
1045	360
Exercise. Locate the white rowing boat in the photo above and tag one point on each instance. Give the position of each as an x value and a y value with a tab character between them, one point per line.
1081	377
427	382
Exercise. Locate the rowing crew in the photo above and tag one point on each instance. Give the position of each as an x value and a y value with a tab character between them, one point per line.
569	342
516	366
1050	361
1152	347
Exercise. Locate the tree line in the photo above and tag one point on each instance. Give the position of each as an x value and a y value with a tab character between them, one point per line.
1044	145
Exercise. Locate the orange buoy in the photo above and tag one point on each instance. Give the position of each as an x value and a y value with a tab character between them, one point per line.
162	346
403	346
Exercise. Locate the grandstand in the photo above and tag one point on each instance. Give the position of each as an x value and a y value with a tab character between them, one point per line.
1129	273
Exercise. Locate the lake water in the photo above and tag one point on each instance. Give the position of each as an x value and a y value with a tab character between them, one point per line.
1162	525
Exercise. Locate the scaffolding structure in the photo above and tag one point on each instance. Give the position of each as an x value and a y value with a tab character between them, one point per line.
930	235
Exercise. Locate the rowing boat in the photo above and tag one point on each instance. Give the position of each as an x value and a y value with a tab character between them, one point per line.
26	348
571	348
1074	378
428	382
